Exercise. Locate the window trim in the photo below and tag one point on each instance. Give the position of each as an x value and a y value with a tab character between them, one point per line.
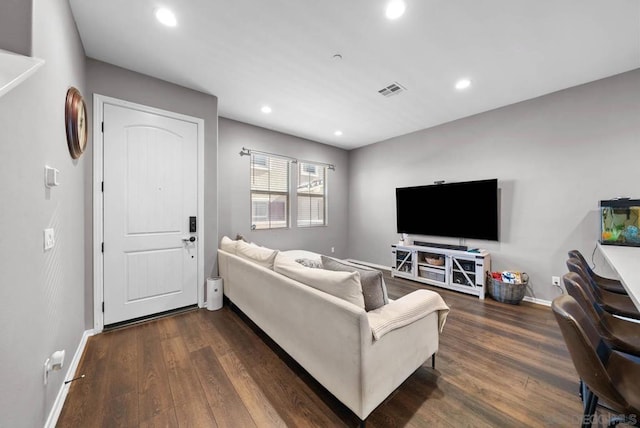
291	195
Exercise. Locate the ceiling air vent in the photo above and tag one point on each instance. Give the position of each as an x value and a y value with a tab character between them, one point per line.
393	89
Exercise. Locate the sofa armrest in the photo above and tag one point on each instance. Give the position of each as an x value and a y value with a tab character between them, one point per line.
405	310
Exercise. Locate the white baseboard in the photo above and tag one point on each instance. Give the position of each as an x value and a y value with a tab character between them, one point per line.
373	265
54	414
537	301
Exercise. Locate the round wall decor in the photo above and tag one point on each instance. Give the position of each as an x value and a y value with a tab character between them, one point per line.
75	118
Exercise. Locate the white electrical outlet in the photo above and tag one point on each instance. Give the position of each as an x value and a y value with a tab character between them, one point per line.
49	239
555	280
333	249
54	362
57	360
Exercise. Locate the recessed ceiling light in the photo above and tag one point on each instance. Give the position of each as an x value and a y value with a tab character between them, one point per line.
337	133
463	84
266	109
166	17
395	9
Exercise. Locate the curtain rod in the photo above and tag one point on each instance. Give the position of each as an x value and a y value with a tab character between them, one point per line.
247	152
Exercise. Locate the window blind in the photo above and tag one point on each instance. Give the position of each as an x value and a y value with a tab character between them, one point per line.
269	192
311	194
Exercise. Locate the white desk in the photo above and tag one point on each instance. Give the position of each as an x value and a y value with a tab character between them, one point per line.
626	262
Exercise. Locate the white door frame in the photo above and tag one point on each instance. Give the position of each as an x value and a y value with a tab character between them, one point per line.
98	220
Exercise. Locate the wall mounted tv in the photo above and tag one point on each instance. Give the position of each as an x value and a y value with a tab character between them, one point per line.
466	209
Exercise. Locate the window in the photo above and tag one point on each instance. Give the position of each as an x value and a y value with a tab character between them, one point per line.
308	168
312	194
269	192
259	161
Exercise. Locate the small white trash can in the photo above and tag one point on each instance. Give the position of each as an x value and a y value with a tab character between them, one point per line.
214	293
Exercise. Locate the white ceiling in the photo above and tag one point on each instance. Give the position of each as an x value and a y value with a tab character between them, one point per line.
280	52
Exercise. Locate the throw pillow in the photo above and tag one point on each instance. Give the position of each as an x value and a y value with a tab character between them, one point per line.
301	254
345	285
228	245
374	289
316	264
259	255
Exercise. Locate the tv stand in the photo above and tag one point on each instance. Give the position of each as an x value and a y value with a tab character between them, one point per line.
450	268
445	246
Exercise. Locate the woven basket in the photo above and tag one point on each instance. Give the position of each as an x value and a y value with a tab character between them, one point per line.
434	260
505	292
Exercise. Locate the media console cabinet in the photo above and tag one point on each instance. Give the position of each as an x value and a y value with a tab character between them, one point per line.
459	270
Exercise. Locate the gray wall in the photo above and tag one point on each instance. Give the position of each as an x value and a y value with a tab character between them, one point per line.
42	293
15	26
235	215
109	80
555	158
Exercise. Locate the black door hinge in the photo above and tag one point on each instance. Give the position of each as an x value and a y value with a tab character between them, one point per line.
102	187
102	307
103	247
102	126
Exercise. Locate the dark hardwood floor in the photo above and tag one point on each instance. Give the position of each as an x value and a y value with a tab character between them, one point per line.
499	365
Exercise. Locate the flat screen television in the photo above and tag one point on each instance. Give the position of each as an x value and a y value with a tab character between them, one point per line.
466	209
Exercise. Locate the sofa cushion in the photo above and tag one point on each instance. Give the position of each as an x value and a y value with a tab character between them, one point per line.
304	257
301	254
374	290
345	285
260	255
229	245
310	263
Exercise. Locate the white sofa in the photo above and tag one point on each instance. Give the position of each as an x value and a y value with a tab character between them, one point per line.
333	339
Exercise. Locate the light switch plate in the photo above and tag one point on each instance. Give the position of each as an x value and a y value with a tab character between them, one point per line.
51	176
49	239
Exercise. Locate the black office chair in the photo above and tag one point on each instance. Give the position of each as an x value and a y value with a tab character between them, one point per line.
609	284
608	375
622	335
617	304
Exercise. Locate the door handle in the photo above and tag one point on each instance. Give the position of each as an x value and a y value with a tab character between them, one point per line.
189	239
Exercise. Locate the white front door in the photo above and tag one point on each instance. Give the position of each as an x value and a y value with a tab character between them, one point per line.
150	175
